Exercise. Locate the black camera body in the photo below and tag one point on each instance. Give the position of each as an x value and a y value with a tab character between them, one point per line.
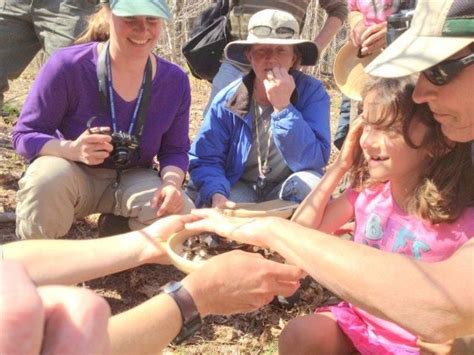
125	146
400	21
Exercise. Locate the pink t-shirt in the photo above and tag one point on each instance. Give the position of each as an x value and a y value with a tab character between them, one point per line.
381	224
374	11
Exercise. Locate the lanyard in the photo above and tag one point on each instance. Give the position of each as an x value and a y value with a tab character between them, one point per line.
263	168
104	67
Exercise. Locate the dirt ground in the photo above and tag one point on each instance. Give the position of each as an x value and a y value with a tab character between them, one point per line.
254	333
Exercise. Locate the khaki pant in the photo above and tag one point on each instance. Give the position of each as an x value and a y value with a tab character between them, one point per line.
55	192
26	26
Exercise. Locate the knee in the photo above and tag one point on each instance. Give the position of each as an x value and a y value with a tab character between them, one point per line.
77	321
293	339
88	309
80	307
46	176
299	185
21	309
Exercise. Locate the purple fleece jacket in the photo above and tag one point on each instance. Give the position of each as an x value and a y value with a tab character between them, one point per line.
65	95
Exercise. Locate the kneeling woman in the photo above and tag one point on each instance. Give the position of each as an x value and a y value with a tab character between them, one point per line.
139	98
267	135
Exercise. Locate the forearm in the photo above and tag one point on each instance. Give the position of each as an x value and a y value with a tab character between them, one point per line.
146	329
327	32
311	211
434	301
57	148
172	175
354	18
73	261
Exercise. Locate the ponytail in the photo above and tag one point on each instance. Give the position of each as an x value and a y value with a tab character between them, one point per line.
97	28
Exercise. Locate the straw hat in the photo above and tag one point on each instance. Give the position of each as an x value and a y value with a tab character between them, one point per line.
349	71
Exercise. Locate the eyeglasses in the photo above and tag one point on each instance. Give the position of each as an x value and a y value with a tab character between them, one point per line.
444	72
266	31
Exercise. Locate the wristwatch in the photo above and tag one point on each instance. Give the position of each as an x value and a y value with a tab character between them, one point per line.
189	312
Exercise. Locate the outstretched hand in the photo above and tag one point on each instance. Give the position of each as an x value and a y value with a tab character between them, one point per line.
238	282
159	232
243	230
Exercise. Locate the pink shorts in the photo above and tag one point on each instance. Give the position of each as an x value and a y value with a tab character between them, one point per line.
367	338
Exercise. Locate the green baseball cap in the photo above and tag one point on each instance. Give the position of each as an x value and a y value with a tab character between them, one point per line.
153	8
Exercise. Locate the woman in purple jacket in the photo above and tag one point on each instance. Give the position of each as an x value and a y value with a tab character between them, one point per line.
95	119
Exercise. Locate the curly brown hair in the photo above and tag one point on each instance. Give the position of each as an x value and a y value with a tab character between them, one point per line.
446	186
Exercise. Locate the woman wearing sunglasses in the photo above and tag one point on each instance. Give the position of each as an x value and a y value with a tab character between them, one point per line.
265	136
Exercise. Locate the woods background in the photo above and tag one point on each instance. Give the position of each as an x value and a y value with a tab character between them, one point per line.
184	11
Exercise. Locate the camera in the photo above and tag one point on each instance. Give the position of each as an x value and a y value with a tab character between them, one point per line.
125	145
399	22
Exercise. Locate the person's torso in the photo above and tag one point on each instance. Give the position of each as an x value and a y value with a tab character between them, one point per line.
264	154
380	223
167	95
374	11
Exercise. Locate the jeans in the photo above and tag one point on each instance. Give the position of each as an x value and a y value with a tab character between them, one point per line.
227	73
295	188
344	121
26	26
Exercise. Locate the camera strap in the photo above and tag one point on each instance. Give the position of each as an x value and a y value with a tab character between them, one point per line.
104	77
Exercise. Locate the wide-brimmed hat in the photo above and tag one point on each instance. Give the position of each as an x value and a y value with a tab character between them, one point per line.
153	8
349	72
439	29
276	27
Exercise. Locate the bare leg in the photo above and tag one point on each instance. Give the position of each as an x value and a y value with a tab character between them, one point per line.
314	334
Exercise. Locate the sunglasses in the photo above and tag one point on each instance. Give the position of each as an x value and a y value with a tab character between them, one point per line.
266	31
444	72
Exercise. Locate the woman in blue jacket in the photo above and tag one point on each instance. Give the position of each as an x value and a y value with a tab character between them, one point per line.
266	135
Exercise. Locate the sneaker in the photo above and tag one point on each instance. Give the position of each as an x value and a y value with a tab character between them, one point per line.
110	224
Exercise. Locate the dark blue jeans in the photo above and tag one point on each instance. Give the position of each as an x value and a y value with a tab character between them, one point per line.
344	120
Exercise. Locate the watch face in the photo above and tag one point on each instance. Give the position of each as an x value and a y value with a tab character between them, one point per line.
172	286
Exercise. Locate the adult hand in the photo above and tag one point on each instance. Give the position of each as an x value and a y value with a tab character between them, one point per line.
49	319
351	147
244	230
237	282
279	85
220	201
159	232
356	33
91	147
168	200
373	38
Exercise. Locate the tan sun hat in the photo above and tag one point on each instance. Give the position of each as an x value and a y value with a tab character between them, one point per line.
349	71
276	27
439	29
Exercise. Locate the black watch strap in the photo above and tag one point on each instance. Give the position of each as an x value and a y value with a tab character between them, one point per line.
189	312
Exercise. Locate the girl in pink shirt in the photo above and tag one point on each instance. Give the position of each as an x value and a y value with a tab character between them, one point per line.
410	194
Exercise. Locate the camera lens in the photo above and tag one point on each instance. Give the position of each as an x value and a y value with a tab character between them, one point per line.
121	157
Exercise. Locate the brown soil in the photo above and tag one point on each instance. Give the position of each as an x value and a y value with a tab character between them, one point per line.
253	333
